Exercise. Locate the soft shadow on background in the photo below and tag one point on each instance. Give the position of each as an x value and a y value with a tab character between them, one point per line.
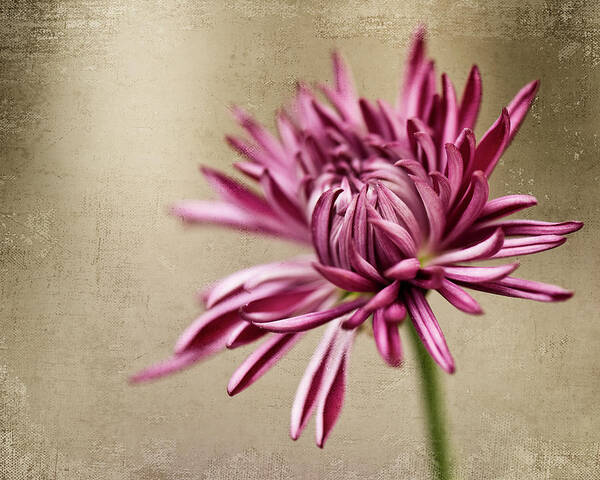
106	110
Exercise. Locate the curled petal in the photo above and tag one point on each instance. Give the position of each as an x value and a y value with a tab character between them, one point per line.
484	249
470	207
404	269
503	206
459	298
479	274
321	222
381	300
387	339
434	209
396	234
395	313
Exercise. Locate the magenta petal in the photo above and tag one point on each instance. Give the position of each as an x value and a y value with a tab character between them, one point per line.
428	148
455	171
396	234
492	144
321	220
215	324
536	227
260	361
363	267
308	389
395	313
503	206
404	269
519	106
243	334
382	299
459	298
387	339
479	274
471	100
236	193
470	207
285	207
333	385
428	329
450	110
484	249
528	245
434	209
311	320
527	289
346	279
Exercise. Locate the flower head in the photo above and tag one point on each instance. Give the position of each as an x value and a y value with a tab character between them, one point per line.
394	201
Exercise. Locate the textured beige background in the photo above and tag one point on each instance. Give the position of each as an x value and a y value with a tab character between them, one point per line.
106	110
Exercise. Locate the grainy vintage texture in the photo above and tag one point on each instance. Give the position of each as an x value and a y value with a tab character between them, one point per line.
106	110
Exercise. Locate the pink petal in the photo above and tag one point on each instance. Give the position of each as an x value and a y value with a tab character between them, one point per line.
236	193
260	361
528	289
484	249
428	329
311	320
459	298
282	204
396	234
321	221
425	141
519	106
435	211
536	227
479	274
387	339
404	270
507	205
332	389
395	313
308	389
455	171
244	334
471	100
450	109
470	207
528	245
215	325
381	299
492	144
346	279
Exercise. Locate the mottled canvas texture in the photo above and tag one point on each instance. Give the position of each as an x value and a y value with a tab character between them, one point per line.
106	110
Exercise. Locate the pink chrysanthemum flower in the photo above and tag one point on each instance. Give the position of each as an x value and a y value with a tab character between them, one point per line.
394	200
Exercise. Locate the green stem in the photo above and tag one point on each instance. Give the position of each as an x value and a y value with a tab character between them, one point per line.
432	402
